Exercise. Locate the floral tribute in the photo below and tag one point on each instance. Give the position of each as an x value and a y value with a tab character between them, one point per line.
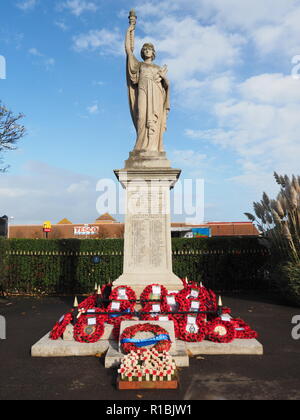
153	292
192	329
157	305
89	302
149	365
160	341
123	293
89	328
60	327
220	331
172	303
153	312
242	330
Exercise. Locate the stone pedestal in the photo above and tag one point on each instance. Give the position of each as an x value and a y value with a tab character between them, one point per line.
147	244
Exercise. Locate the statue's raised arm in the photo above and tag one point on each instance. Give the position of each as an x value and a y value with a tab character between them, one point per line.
148	91
129	41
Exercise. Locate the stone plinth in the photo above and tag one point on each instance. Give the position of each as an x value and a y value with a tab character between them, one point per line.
166	325
139	159
61	348
147	240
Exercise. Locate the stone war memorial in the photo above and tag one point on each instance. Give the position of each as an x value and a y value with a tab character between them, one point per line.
148	322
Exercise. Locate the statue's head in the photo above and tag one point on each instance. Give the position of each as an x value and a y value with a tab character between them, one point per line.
146	50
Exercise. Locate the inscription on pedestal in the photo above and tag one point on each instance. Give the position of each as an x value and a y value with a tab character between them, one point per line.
148	239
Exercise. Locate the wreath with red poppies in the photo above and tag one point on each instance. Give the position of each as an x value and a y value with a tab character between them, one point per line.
243	330
192	305
60	327
211	301
151	314
89	329
89	302
194	292
116	316
192	332
220	331
149	295
173	307
127	338
129	293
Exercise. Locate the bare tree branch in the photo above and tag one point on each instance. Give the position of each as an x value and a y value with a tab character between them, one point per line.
10	131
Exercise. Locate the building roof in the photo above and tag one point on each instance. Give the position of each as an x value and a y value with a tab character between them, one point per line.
104	218
65	222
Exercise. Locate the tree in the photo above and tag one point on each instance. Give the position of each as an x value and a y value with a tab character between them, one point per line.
10	131
279	222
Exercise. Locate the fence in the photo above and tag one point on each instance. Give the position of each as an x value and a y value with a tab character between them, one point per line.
74	266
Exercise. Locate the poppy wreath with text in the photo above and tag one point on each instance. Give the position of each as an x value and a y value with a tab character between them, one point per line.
161	340
60	327
151	313
194	292
193	305
128	293
148	293
100	313
89	329
220	331
192	332
124	311
171	307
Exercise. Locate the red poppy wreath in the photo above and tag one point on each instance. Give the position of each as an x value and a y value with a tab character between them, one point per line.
153	292
220	331
172	303
123	293
89	329
243	330
89	302
160	340
192	329
60	327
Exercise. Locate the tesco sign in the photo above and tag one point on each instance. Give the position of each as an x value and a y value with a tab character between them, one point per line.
86	230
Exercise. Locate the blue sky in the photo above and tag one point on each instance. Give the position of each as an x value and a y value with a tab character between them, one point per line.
235	99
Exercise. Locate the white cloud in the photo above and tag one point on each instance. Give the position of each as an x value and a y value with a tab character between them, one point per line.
93	109
43	192
283	37
79	187
102	41
190	48
26	5
260	126
35	51
276	89
77	7
61	24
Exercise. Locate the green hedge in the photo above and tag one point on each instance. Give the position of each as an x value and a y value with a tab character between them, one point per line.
43	266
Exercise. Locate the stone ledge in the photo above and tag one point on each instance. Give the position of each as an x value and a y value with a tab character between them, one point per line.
237	347
60	348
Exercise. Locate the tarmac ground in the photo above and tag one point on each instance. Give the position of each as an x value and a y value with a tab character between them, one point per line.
273	376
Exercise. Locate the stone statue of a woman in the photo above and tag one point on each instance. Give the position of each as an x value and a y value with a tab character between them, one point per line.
148	90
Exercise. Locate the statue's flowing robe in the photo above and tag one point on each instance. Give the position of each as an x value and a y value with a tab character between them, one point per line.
149	103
